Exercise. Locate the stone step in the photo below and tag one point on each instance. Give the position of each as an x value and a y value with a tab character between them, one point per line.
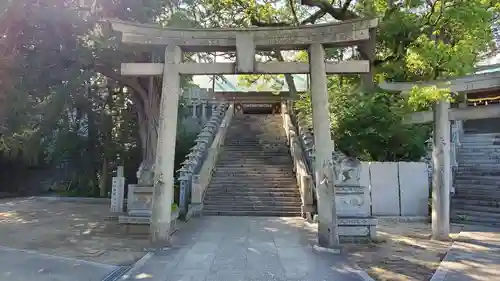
466	185
250	205
253	192
478	160
231	164
472	154
256	142
262	177
253	170
257	187
256	167
475	196
474	202
254	151
253	156
252	147
254	182
460	176
273	181
258	199
477	172
484	217
255	163
473	221
261	213
474	208
251	176
241	188
479	139
225	151
486	170
245	170
484	148
246	161
469	180
466	135
492	192
492	166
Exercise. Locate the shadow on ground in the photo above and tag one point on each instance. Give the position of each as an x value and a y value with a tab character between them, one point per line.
78	230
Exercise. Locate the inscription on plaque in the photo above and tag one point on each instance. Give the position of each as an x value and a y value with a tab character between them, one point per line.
349	190
357	221
352	201
117	194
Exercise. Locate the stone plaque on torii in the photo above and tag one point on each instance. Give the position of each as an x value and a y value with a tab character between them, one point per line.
246	42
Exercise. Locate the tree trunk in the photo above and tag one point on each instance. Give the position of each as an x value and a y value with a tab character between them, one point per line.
148	119
107	149
104	177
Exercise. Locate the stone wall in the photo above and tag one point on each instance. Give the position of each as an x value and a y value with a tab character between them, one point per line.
398	188
395	188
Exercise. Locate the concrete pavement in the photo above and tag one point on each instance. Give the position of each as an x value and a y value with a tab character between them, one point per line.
21	265
244	248
474	256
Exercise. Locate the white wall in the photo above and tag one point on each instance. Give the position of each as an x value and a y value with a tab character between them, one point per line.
399	188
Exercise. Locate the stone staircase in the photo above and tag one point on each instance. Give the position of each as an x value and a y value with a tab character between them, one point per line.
254	172
477	181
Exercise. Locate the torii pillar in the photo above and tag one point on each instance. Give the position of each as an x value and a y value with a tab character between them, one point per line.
163	192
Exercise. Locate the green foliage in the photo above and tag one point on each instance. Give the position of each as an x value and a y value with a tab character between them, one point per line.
369	126
61	110
422	98
68	104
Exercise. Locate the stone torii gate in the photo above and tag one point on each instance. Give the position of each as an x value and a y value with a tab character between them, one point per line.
441	155
245	41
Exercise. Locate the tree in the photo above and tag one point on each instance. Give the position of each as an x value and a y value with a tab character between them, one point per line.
56	61
416	40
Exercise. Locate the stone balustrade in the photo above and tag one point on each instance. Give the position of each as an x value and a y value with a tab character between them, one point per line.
201	178
195	159
140	197
303	175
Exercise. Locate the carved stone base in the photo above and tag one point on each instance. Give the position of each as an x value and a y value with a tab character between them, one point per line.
139	197
356	229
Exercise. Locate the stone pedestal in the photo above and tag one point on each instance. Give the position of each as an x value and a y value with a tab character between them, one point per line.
353	210
355	223
139	200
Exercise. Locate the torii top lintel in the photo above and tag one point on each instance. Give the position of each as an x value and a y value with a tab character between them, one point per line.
345	33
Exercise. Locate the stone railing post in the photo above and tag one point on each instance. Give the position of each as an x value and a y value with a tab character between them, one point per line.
204	112
184	192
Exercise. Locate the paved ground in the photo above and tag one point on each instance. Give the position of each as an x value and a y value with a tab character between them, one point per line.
475	256
245	248
77	230
403	252
16	265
